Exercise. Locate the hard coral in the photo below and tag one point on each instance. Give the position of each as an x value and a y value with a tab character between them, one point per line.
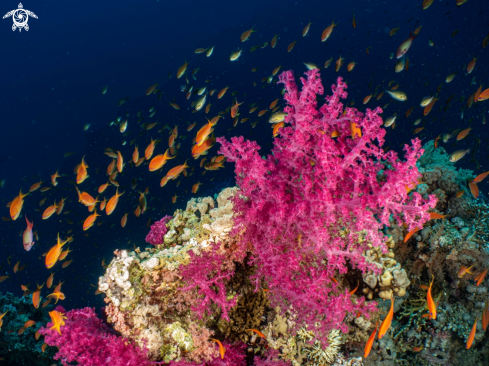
295	204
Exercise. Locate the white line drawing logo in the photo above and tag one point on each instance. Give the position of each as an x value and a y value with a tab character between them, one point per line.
20	17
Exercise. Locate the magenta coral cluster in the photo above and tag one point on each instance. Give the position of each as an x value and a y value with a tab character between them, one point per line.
311	207
158	231
87	340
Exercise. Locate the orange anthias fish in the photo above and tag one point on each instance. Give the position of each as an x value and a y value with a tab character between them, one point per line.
36	296
54	182
48	212
260	334
276	128
195	187
57	319
474	189
64	254
120	162
198	151
245	35
483	95
82	173
16	205
124	220
173	173
327	32
485	318
480	177
90	220
58	295
204	132
463	134
29	323
471	335
464	270
49	281
387	321
370	341
111	205
355	130
148	152
471	65
431	303
234	109
222	350
222	92
159	160
480	277
135	155
85	198
411	233
27	237
54	252
1	318
435	216
35	186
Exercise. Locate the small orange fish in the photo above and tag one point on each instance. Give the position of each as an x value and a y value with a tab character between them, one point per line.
411	233
53	254
355	289
480	177
48	212
355	130
148	152
49	281
43	347
198	151
480	277
350	66
195	187
246	34
429	107
370	341
339	63
16	205
222	92
327	32
234	109
64	254
222	350
120	162
205	131
276	128
111	205
258	332
58	295
103	187
82	172
431	303
418	130
35	186
54	182
464	270
159	160
474	189
135	155
459	194
57	320
29	323
435	216
173	173
463	134
174	199
16	267
290	47
89	221
483	95
471	65
36	296
124	220
436	141
471	335
387	320
417	349
1	318
367	99
485	318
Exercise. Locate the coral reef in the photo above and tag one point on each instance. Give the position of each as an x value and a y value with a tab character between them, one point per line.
20	345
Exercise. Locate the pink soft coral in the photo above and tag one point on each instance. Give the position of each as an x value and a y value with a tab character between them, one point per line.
158	231
85	339
308	206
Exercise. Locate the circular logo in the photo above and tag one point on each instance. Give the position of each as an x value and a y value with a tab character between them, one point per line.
20	18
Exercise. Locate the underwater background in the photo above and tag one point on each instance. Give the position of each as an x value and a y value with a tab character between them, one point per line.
83	69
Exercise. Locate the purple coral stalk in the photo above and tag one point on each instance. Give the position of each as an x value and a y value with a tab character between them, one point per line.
87	340
158	231
312	206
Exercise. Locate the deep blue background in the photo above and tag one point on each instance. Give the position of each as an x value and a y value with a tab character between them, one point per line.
52	77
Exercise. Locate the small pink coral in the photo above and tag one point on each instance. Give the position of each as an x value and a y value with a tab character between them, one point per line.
158	231
87	340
